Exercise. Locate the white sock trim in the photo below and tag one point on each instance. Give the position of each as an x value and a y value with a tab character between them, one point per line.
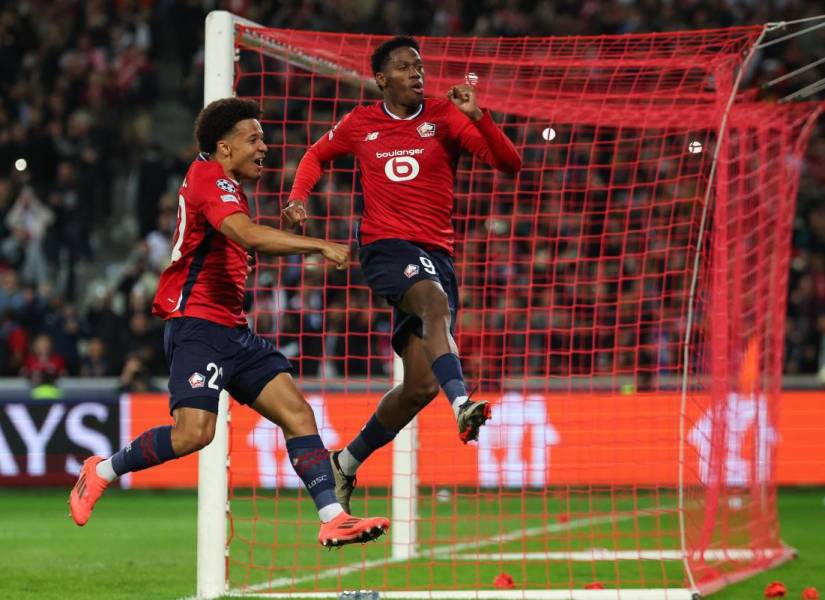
348	463
330	511
105	470
459	400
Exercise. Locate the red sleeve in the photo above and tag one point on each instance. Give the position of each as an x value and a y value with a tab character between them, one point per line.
484	139
331	145
219	198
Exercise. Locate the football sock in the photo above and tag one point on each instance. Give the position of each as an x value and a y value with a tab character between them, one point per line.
105	470
447	369
372	437
150	448
310	459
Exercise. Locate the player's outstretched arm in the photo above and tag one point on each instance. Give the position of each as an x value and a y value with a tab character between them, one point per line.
240	229
483	138
329	146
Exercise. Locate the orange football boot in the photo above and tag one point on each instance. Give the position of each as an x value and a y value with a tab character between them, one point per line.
87	491
345	529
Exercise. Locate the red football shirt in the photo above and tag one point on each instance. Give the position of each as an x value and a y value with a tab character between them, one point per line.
407	166
207	276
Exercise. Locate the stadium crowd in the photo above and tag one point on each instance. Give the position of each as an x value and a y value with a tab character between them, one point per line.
80	98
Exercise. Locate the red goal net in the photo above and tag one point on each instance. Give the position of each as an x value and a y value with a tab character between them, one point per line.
622	307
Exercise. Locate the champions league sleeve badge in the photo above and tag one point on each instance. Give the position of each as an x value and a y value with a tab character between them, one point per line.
226	186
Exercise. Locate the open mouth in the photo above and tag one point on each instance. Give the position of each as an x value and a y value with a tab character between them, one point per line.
259	162
418	88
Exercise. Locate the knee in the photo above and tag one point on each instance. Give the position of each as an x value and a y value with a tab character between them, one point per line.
305	416
193	438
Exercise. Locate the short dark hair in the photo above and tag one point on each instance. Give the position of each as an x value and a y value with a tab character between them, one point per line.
381	55
219	117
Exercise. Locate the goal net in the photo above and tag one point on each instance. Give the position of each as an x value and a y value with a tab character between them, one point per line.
623	302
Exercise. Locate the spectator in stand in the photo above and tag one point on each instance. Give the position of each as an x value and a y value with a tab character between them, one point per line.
145	342
11	294
14	344
159	242
96	363
135	377
43	364
28	220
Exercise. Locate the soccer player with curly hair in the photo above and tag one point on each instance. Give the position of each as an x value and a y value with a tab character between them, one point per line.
208	345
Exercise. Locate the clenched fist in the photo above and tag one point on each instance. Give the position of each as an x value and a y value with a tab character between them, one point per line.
294	214
336	253
464	98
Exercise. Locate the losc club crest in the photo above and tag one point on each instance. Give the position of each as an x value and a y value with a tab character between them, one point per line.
411	271
196	380
426	130
226	186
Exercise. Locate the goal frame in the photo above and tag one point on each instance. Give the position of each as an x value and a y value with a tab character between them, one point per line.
213	461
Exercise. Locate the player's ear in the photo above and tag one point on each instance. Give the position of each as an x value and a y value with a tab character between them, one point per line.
223	149
380	80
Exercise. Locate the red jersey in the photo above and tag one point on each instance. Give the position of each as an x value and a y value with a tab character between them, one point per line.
407	167
35	367
207	276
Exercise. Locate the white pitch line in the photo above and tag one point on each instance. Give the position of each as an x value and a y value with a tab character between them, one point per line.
341	571
603	554
612	594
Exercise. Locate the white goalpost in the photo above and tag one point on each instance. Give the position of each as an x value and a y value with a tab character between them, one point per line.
213	461
655	494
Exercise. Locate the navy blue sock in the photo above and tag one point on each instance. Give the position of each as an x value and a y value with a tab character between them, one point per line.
372	437
150	448
447	369
310	459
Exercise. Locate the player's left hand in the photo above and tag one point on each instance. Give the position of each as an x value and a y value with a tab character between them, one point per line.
294	214
464	98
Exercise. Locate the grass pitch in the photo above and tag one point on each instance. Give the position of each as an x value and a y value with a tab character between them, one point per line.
141	545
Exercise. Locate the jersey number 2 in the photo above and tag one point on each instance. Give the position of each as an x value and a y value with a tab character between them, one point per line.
216	372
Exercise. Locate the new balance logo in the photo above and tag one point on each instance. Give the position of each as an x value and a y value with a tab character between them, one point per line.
373	135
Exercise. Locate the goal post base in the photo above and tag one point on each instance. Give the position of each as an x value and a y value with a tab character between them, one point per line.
707	588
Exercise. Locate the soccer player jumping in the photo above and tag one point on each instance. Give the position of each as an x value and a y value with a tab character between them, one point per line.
208	344
407	149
